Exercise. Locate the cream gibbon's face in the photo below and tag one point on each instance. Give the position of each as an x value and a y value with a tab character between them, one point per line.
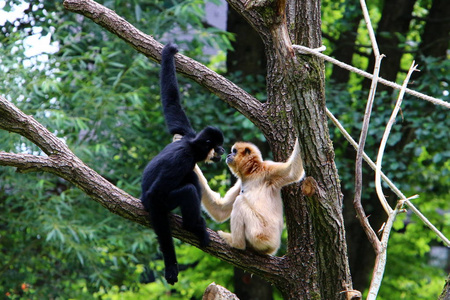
244	159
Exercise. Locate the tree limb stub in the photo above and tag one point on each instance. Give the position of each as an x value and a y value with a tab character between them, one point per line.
218	292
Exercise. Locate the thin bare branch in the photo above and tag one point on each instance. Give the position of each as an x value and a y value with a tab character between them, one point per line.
387	131
362	140
385	82
369	161
393	187
373	40
380	261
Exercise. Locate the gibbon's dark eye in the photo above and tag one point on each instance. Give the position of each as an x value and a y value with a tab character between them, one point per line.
234	151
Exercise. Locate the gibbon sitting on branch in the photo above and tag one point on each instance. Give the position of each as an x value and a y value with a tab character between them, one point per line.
254	202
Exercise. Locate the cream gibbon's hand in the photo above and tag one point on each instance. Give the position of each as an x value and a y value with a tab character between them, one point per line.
290	171
176	137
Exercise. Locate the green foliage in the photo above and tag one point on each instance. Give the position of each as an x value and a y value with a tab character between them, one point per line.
408	274
192	283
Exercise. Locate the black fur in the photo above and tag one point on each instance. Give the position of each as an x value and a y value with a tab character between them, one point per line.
168	180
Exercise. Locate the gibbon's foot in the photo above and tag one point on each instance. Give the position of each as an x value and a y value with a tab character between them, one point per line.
171	274
204	239
199	229
229	240
226	236
201	234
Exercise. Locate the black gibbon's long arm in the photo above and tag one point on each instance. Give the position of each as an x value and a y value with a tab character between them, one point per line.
176	119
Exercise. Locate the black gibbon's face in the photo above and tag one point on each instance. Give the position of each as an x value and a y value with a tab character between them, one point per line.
213	138
215	155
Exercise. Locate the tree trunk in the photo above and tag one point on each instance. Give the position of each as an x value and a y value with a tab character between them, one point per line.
316	255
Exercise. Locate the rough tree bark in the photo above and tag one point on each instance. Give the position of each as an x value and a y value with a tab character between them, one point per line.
446	292
315	265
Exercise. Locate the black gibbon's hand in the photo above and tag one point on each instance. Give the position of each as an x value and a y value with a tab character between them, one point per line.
176	119
171	274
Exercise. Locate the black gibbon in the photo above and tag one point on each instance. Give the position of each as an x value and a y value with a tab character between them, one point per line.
254	202
169	180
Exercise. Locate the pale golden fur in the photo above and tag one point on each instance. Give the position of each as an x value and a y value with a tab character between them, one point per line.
254	203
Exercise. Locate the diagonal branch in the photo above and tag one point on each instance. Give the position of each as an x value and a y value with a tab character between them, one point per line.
147	45
387	131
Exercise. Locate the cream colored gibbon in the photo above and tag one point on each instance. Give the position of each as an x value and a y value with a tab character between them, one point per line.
254	203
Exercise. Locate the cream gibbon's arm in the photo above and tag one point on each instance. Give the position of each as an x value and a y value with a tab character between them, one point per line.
290	171
217	207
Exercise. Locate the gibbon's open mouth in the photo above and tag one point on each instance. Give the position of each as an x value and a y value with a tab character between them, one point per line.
216	158
218	154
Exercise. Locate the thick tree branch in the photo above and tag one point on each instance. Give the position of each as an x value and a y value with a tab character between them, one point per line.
147	45
63	163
